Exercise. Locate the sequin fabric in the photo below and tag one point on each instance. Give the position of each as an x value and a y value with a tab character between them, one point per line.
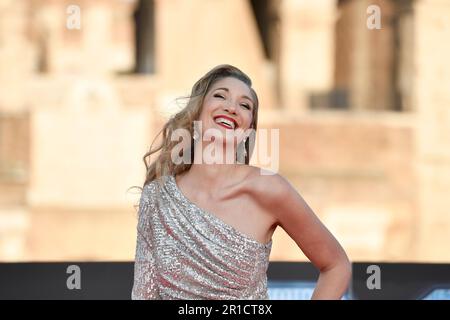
185	252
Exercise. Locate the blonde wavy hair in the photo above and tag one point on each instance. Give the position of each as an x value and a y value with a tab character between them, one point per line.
184	119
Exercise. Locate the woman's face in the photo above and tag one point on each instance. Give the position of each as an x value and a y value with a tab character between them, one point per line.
227	107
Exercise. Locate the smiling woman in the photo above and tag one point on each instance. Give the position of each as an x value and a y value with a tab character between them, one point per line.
205	228
206	91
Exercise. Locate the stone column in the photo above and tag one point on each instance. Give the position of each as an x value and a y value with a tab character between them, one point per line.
194	36
16	54
307	50
366	58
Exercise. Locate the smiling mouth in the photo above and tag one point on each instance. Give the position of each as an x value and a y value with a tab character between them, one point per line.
225	122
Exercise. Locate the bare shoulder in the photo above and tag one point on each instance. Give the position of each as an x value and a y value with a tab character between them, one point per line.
269	185
269	189
291	212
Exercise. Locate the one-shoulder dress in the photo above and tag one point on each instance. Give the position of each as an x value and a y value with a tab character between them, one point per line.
185	252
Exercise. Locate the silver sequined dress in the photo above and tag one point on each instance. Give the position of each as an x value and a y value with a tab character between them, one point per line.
185	252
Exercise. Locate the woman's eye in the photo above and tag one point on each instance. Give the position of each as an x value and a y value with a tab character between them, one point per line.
246	106
218	96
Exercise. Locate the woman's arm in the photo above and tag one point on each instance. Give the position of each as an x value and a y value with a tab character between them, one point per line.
295	216
333	281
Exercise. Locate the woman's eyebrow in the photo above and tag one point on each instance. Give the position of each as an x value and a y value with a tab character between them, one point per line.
227	90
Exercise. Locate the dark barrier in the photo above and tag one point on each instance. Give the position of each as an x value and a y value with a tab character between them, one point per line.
402	281
287	280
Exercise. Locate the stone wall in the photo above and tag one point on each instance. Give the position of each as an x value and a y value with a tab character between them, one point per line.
75	120
357	173
432	100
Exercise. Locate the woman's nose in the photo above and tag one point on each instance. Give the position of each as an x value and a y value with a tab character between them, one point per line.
230	108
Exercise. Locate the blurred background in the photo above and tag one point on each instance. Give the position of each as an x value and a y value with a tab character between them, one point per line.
363	114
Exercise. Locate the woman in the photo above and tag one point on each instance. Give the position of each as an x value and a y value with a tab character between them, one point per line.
205	228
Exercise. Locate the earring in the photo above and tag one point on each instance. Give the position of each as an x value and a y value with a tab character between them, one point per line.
195	135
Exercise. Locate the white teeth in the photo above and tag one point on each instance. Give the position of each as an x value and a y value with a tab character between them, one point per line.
225	121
